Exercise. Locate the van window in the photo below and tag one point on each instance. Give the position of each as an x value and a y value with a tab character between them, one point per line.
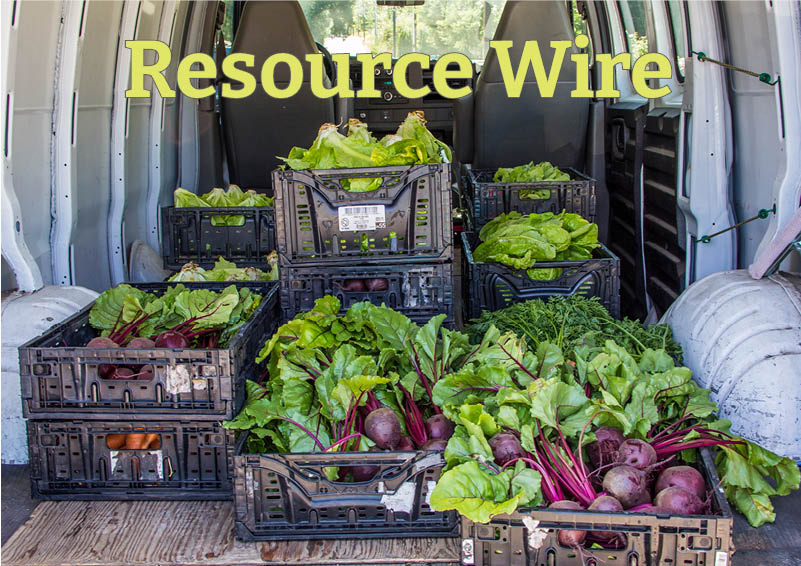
677	30
435	28
580	26
228	25
633	15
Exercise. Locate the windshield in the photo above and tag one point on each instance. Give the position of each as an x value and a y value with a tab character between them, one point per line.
435	28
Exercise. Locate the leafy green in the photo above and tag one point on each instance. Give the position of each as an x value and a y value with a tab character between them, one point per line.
531	173
219	198
571	322
521	241
224	270
411	144
206	318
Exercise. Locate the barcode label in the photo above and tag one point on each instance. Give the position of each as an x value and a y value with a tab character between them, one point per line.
353	218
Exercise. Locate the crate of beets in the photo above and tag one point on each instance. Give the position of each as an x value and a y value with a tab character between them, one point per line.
646	533
236	225
150	351
417	290
321	220
518	258
110	460
529	188
334	443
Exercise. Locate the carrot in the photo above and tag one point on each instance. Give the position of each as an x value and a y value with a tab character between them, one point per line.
135	441
115	441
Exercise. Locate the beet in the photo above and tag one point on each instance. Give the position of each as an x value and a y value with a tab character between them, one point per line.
637	454
439	427
609	504
606	503
567	537
382	427
354	286
106	370
679	500
364	472
683	476
122	373
435	444
604	450
102	342
506	447
141	343
376	285
628	485
171	339
405	443
143	373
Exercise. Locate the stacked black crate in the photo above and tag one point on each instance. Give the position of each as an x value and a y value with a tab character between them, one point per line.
137	423
493	286
243	235
391	244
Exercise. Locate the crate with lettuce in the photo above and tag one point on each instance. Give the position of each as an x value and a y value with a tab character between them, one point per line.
236	225
357	197
529	188
517	257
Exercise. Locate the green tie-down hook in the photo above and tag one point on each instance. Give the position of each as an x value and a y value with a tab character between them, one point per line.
763	213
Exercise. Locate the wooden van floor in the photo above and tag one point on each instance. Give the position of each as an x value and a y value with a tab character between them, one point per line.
201	533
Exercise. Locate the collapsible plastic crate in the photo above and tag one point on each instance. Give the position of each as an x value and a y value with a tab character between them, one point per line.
408	217
491	199
419	291
71	460
529	537
190	235
288	496
493	286
60	377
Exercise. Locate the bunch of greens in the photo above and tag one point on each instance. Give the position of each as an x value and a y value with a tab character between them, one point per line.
521	241
198	317
218	198
328	372
530	173
575	321
224	270
543	407
411	144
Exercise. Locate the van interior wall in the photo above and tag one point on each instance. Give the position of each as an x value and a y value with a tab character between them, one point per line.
758	151
37	43
147	146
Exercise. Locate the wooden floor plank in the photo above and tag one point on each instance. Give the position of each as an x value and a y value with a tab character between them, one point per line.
189	534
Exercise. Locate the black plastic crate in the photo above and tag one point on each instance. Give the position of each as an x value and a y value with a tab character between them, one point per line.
71	460
417	290
491	199
493	286
188	235
530	536
60	378
288	496
409	216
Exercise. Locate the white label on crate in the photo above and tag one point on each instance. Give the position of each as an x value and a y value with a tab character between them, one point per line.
721	558
365	217
148	464
179	379
536	536
402	500
468	552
